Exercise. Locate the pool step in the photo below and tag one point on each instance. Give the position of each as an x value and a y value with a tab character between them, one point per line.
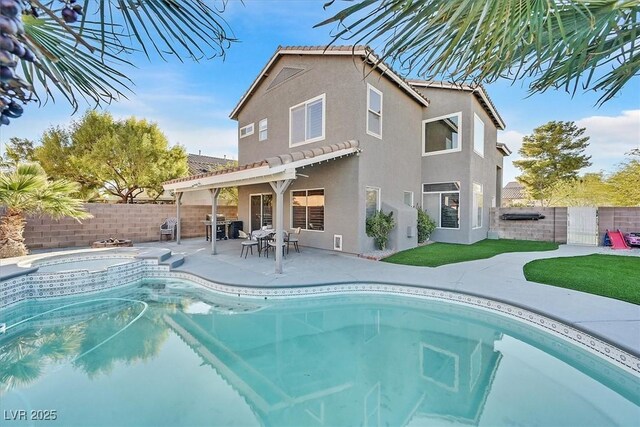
155	253
174	261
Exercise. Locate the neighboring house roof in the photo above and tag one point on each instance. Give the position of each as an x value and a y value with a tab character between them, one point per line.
358	50
477	90
198	163
269	169
513	190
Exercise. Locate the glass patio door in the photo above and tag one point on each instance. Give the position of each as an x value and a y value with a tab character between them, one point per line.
261	211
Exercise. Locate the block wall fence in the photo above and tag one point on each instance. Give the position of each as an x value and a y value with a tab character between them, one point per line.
137	222
553	228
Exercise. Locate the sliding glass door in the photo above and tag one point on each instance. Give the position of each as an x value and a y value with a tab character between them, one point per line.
261	211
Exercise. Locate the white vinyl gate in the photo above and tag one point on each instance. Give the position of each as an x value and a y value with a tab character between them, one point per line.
582	226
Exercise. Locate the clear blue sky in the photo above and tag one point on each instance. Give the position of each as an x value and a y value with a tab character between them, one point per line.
191	101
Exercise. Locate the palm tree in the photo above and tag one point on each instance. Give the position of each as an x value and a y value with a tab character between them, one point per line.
79	49
557	43
27	191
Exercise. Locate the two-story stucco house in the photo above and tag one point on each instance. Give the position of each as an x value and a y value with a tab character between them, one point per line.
339	138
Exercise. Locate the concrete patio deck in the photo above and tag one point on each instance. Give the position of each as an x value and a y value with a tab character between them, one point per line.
499	278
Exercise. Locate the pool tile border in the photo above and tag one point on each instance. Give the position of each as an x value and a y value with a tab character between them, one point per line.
54	285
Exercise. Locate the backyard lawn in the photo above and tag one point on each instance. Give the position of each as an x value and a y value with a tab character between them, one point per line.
612	276
437	254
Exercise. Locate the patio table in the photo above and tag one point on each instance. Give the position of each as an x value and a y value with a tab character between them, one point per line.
262	236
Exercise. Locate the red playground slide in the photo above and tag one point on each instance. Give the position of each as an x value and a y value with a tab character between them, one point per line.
617	240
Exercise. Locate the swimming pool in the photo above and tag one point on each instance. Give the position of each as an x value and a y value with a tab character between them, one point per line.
168	352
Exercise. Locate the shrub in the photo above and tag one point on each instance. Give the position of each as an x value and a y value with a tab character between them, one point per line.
426	225
378	226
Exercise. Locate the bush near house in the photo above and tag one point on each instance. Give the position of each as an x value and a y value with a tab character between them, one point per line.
426	225
378	226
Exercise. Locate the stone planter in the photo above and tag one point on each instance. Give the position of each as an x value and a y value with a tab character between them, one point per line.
112	243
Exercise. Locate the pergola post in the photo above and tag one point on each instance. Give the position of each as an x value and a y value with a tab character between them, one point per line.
178	196
279	187
214	213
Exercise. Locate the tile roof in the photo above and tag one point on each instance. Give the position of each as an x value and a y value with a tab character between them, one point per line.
478	90
513	190
274	161
198	163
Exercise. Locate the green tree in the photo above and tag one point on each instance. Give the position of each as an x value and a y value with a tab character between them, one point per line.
19	150
626	182
119	157
553	154
591	189
556	43
27	190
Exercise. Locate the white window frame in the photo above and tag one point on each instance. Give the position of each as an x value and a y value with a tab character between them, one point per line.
324	225
474	207
412	201
261	129
439	193
378	202
323	97
452	150
477	119
248	132
369	110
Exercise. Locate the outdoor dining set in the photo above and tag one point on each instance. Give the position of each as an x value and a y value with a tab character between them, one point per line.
265	239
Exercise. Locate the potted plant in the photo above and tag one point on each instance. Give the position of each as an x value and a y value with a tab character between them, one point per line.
378	226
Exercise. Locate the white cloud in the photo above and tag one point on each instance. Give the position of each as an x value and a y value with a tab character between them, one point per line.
611	137
211	141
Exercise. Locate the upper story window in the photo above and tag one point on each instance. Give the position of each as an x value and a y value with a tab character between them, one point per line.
307	121
478	135
442	134
374	111
262	130
246	130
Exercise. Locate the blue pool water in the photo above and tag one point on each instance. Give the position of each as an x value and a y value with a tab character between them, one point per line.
169	353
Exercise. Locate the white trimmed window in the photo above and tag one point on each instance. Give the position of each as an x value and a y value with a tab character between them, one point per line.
478	204
307	209
478	135
246	130
374	111
262	130
408	198
307	121
442	134
372	201
442	202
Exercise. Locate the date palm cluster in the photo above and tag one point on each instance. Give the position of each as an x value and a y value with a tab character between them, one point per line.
14	47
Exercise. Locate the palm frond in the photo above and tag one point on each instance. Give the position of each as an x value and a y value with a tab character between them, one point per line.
570	44
89	60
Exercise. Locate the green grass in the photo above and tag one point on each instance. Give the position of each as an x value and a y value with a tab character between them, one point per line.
437	254
612	276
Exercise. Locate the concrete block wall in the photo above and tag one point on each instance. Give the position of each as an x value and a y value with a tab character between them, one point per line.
139	223
553	228
624	219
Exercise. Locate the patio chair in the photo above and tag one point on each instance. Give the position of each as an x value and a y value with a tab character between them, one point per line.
168	228
293	239
272	243
247	244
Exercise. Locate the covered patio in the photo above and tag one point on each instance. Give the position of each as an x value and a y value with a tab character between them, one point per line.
279	172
